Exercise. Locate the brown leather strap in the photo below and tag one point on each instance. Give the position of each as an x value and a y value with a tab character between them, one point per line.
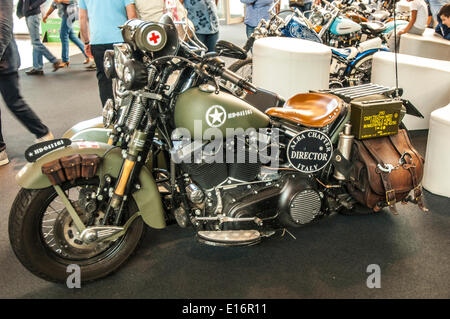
390	192
418	195
406	156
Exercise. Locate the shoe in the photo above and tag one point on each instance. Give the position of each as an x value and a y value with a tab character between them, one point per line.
34	72
3	158
65	64
92	66
87	60
47	137
58	65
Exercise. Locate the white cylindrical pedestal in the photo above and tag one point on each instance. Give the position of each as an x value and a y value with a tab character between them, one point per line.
436	177
290	66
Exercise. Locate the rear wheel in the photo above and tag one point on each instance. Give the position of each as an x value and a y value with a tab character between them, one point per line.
45	239
361	71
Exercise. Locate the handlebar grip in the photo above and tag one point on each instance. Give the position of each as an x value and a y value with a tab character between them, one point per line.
236	79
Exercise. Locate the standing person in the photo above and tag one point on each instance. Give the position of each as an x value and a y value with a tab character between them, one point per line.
435	6
203	14
150	10
305	5
31	10
9	82
102	32
155	9
68	12
255	10
417	23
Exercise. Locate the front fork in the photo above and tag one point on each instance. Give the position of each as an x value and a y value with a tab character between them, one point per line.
135	157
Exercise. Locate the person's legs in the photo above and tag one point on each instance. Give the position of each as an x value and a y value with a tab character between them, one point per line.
104	84
435	6
73	37
9	89
201	37
64	36
307	9
2	141
249	30
33	28
39	48
211	40
416	31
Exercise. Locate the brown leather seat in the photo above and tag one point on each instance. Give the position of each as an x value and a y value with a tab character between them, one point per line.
309	109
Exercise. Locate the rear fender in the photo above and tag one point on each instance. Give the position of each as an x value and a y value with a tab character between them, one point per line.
147	197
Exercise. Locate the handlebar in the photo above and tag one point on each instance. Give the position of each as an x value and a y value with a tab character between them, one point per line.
216	67
237	80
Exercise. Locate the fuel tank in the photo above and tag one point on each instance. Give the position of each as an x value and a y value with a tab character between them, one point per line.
341	26
204	109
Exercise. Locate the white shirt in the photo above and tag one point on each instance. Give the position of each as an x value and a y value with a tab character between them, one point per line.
422	13
150	10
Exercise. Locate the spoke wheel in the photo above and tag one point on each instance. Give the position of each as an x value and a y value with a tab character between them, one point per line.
45	239
361	72
243	68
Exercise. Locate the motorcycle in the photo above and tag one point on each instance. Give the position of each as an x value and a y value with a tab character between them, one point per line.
349	66
88	203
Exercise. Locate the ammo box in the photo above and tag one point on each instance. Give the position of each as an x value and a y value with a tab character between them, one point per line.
375	118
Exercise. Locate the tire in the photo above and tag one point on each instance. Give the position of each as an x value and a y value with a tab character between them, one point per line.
26	224
365	64
243	68
238	67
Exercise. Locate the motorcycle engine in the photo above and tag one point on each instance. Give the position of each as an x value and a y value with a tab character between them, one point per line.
248	192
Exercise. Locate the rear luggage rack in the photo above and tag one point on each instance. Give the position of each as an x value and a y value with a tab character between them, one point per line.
349	93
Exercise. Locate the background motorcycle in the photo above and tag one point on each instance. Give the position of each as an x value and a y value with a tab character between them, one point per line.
349	66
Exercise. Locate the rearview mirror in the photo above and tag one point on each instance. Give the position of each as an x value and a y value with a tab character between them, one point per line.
229	50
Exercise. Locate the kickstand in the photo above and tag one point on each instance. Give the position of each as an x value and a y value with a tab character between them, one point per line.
287	231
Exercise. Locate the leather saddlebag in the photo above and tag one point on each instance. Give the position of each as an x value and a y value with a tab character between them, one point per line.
72	166
89	164
54	172
385	171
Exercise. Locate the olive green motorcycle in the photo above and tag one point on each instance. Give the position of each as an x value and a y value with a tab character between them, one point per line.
180	148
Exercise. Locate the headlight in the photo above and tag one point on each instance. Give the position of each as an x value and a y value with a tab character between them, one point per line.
108	113
122	54
316	19
108	64
135	75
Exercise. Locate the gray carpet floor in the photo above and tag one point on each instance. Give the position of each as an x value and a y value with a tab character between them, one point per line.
328	259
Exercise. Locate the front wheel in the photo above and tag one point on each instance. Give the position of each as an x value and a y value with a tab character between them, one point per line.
243	68
361	71
46	241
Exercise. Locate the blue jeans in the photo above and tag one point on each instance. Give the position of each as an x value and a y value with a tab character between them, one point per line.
65	33
435	6
249	30
209	40
39	49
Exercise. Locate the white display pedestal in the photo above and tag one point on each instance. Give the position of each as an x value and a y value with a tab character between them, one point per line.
290	66
427	45
436	177
426	83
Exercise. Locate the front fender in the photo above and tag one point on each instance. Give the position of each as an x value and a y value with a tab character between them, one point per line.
147	197
90	130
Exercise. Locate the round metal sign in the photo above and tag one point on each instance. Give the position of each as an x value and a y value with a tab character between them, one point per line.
309	151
